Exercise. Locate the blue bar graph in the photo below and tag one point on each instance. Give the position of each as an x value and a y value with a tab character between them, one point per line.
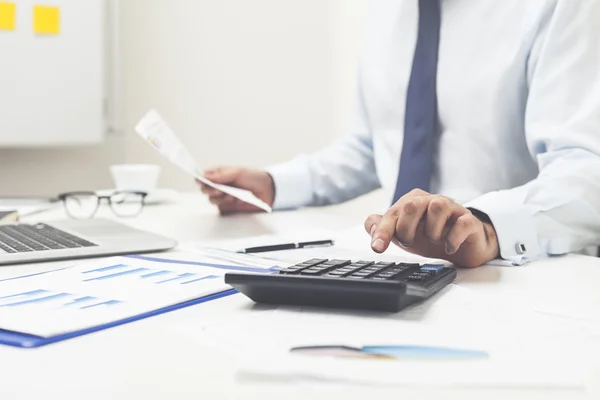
41	296
121	270
80	300
104	269
118	274
201	279
105	303
178	278
157	273
37	300
26	294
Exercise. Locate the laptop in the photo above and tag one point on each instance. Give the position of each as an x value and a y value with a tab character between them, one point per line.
74	239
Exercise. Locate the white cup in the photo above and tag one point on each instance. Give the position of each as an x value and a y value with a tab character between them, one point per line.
136	177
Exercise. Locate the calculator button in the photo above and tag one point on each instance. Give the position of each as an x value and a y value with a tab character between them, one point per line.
311	272
396	270
425	274
413	278
409	265
363	274
295	269
342	272
316	270
372	269
384	264
291	270
392	272
356	277
337	263
315	261
421	276
355	266
300	266
306	265
348	269
412	271
336	274
433	268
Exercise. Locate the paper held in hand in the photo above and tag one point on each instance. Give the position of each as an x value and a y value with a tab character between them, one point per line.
159	135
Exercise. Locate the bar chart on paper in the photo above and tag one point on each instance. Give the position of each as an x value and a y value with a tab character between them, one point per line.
147	275
103	291
47	298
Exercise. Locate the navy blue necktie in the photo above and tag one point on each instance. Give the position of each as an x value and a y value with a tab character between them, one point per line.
420	125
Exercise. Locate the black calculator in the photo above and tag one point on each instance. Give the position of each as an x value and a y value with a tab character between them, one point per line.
362	285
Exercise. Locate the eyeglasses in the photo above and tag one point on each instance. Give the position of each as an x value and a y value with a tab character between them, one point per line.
82	205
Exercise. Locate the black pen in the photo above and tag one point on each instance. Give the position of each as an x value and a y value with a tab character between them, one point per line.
287	246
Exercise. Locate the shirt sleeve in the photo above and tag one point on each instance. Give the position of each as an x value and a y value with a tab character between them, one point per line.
339	172
559	211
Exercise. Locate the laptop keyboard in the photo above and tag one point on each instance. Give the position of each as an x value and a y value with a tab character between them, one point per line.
25	238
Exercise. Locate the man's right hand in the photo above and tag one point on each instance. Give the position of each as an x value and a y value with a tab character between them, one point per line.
258	182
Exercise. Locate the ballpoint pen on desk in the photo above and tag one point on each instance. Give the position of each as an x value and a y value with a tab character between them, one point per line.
287	246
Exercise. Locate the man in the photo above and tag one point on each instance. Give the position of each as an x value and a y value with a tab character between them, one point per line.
481	121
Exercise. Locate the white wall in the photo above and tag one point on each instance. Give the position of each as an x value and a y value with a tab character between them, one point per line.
47	172
242	82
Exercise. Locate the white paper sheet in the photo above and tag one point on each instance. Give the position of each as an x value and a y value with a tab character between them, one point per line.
294	236
232	256
106	290
525	350
159	135
29	209
529	374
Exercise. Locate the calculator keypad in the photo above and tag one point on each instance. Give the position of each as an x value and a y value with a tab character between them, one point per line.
358	285
377	271
348	269
324	267
393	272
296	269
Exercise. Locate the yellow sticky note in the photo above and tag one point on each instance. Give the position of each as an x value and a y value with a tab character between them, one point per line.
7	16
46	20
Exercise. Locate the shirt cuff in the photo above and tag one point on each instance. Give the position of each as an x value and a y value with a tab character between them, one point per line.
515	227
292	182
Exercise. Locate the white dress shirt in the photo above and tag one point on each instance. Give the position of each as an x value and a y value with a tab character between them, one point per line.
519	104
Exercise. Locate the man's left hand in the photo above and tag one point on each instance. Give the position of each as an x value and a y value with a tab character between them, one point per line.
434	226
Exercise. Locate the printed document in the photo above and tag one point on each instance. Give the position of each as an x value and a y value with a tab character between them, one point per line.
159	135
106	290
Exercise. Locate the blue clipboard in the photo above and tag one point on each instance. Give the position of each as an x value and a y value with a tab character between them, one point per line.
22	340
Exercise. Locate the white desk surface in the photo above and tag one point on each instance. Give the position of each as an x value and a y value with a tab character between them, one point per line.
144	360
